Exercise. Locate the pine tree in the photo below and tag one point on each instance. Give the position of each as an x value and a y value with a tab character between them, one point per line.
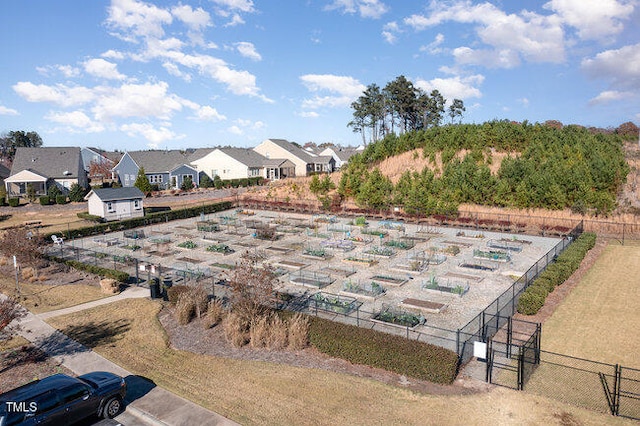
142	183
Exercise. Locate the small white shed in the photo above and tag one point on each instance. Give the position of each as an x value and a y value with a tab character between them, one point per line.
115	203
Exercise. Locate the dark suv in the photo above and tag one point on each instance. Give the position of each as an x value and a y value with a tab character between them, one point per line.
61	399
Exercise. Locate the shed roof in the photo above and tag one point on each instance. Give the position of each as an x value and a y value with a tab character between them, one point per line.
114	194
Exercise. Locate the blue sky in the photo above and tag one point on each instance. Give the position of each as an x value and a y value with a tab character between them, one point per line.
130	74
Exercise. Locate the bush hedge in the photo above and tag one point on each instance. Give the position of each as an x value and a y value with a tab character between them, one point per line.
91	217
119	276
14	201
164	216
174	292
45	200
382	350
555	274
61	199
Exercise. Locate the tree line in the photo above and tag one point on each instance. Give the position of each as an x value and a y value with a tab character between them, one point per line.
545	167
399	107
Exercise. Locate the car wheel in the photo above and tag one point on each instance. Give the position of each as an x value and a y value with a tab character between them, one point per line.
112	408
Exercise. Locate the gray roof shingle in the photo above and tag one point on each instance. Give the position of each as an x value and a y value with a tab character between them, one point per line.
158	161
113	194
298	152
246	156
51	162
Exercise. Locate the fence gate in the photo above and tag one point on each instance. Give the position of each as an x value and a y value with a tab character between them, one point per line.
510	358
622	390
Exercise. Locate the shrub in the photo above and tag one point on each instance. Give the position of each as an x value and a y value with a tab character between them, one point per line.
382	350
185	309
119	276
259	330
44	200
14	201
173	293
215	310
278	331
530	303
77	193
61	199
235	330
298	332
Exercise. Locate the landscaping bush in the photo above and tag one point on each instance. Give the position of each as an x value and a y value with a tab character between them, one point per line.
235	330
14	201
382	350
44	200
556	273
530	303
214	314
119	276
61	199
174	292
185	309
298	332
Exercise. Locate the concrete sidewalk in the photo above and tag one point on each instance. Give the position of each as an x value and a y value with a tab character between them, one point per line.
145	400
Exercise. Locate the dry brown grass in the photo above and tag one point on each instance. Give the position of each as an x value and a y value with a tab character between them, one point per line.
262	393
235	329
185	309
599	319
41	297
13	343
298	332
278	332
215	312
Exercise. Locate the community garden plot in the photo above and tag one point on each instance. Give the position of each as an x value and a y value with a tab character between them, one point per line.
443	275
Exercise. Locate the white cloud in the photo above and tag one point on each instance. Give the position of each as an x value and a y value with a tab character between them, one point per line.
308	114
207	113
77	121
524	102
610	96
344	90
113	54
534	37
389	31
103	69
240	5
235	130
154	135
196	19
620	66
59	94
503	58
131	19
365	8
454	87
235	20
248	50
176	72
67	71
434	47
594	19
136	100
7	111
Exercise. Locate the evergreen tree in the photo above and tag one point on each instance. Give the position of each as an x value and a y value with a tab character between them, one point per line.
142	183
187	184
205	181
77	193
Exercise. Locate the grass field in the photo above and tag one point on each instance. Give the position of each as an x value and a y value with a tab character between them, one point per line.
600	318
44	297
250	392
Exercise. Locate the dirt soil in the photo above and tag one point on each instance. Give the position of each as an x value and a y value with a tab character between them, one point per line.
25	363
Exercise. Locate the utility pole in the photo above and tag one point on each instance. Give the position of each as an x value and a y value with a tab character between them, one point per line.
15	267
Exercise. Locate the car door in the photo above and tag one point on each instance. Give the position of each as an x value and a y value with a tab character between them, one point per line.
49	410
78	402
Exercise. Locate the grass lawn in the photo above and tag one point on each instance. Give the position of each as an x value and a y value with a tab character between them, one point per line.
128	333
600	319
45	297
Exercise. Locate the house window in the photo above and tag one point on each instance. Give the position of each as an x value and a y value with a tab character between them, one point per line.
156	178
214	173
110	207
136	204
254	172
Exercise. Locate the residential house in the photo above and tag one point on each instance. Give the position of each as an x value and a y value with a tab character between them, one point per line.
44	168
115	203
4	173
241	163
339	154
305	163
99	163
167	169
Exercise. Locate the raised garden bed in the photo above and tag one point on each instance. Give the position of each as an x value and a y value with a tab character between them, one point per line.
465	277
134	234
389	280
132	247
360	239
396	226
289	264
400	244
220	248
316	253
478	266
190	245
410	266
376	232
463	234
339	271
310	279
424	305
398	317
280	249
189	260
344	245
333	303
380	251
493	255
505	245
370	289
360	261
443	285
207	226
457	243
226	266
